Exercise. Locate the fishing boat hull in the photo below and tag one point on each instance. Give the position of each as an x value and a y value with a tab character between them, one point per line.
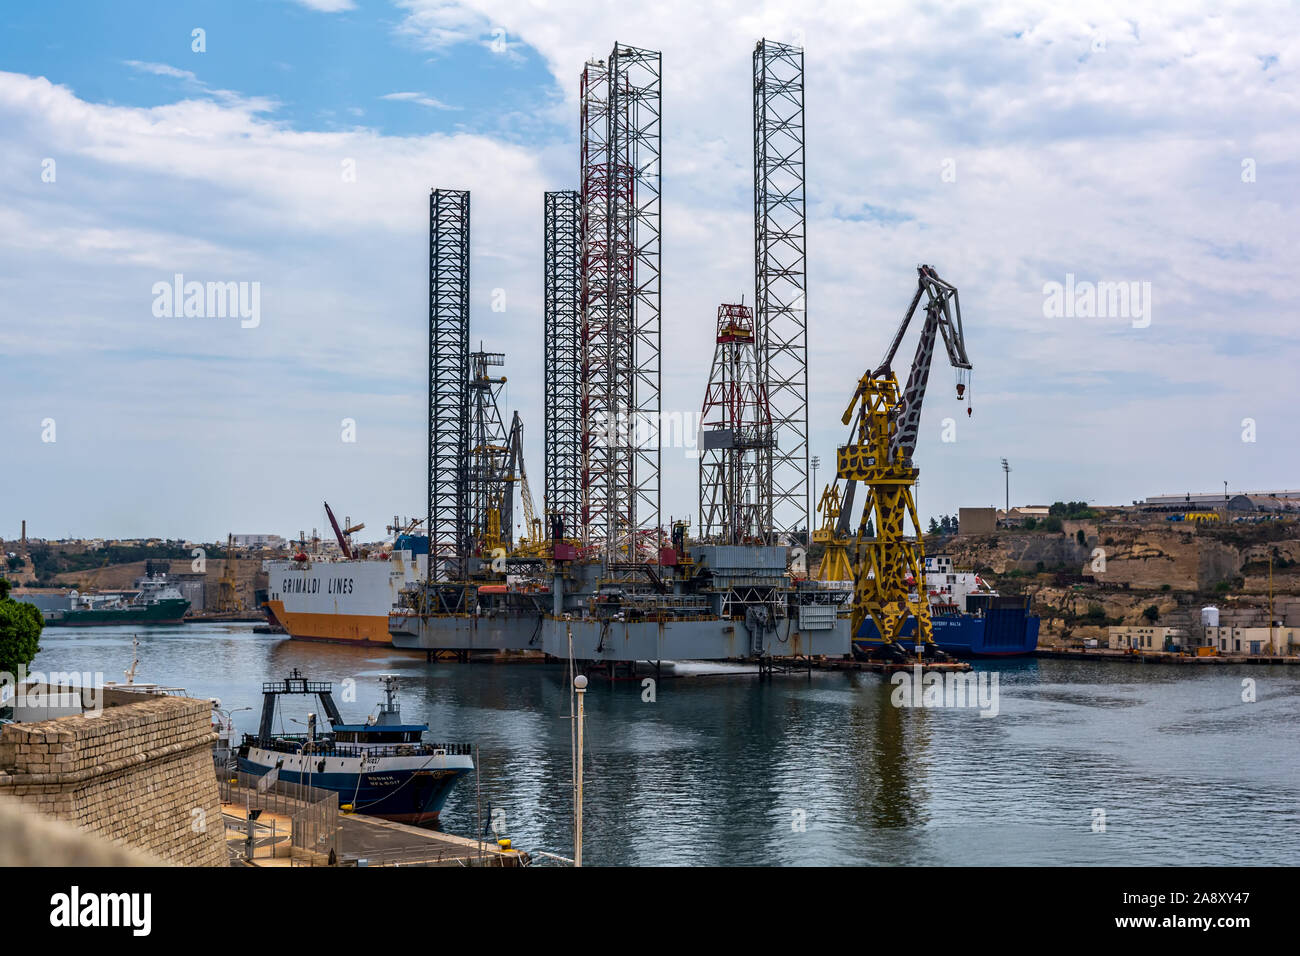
403	789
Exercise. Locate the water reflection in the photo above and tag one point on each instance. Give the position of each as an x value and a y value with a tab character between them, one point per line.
805	769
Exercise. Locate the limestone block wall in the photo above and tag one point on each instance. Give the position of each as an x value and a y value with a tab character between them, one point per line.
139	774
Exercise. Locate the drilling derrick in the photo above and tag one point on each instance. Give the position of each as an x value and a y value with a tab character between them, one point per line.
889	570
491	491
736	436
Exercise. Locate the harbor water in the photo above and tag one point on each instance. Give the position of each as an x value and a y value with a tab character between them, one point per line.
1084	763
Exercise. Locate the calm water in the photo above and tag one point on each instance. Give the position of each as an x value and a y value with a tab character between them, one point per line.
719	768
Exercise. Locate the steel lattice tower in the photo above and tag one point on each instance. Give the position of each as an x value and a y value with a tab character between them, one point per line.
562	359
491	494
736	433
780	276
597	467
621	242
448	518
635	124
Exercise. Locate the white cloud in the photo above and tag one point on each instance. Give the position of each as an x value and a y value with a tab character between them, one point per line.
419	98
161	69
440	24
328	6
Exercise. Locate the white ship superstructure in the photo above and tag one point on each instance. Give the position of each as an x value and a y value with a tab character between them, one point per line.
346	600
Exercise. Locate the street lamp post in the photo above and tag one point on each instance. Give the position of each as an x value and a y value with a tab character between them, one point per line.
812	498
580	685
1006	472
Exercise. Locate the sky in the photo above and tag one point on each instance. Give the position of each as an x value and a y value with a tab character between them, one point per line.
293	143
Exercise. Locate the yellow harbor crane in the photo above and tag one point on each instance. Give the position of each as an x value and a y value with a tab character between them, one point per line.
835	564
531	543
889	569
228	584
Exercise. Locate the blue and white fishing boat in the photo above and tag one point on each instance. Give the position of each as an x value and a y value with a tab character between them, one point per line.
382	767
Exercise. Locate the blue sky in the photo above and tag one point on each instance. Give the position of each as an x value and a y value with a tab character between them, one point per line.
1090	141
321	71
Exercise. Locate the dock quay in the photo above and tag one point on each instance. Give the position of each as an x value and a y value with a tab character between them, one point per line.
296	825
1160	657
888	667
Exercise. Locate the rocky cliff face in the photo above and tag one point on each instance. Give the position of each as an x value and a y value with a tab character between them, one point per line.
1118	570
1132	557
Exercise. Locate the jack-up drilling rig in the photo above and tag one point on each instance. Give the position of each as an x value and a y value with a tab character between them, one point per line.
879	454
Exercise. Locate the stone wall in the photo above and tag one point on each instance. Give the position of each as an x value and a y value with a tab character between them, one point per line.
139	774
29	838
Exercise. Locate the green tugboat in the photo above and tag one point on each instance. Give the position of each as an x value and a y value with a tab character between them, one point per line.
158	602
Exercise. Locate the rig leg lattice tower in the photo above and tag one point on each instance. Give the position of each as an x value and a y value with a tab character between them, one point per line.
780	278
562	359
621	242
448	518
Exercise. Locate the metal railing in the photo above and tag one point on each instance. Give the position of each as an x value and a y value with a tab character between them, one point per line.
313	812
418	855
324	747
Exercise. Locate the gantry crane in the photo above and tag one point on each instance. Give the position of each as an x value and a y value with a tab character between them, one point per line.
879	455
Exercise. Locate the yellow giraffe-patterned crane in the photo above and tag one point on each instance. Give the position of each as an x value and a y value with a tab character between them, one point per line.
889	569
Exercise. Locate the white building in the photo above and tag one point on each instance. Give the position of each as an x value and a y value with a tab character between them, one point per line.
1143	637
1279	641
258	541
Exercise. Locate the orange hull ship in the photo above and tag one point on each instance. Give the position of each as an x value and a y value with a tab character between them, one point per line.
341	601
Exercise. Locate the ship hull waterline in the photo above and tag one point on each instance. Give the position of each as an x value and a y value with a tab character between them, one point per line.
414	794
613	640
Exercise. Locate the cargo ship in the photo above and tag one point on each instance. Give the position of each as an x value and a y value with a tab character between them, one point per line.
382	767
156	602
970	619
347	600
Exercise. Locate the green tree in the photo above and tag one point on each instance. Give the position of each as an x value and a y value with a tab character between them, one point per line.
1152	613
1052	525
934	525
20	631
